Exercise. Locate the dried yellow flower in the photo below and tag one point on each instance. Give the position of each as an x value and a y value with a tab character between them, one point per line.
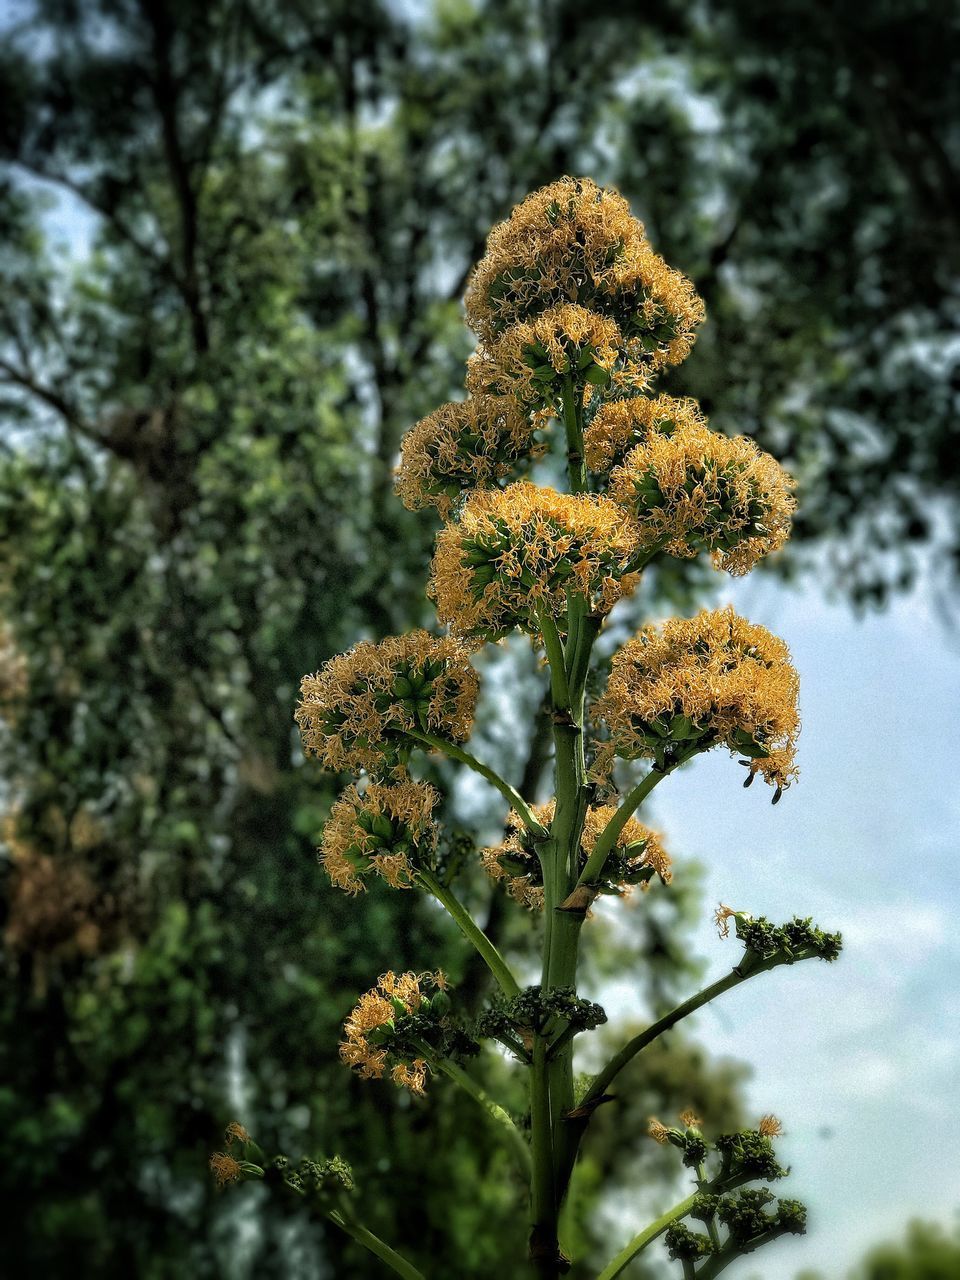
356	711
659	1132
690	1119
387	830
224	1168
692	684
618	425
235	1132
468	444
523	550
373	1033
770	1127
637	857
695	490
563	243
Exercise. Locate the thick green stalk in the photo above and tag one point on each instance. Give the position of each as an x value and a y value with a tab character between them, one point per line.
472	932
493	1109
645	1237
544	1247
514	797
376	1246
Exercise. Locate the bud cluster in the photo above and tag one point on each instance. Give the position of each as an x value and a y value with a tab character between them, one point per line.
515	1022
767	945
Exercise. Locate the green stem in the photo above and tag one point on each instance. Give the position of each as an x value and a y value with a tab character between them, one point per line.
472	932
514	797
377	1246
609	835
576	468
645	1237
493	1109
543	1239
559	689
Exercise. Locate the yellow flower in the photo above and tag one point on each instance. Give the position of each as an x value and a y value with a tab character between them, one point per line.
690	1120
467	444
696	683
522	550
373	1033
563	243
770	1127
530	360
355	713
694	490
637	857
618	425
387	830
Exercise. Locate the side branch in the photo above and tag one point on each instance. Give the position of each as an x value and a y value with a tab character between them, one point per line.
645	1237
472	932
493	1109
640	1041
609	835
509	793
376	1246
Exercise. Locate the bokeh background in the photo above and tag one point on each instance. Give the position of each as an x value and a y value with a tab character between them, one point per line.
233	240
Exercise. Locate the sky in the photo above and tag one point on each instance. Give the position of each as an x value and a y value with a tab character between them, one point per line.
859	1059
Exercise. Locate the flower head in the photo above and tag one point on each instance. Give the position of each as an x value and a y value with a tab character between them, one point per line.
531	361
655	306
520	551
356	711
619	425
701	682
467	444
694	489
387	830
387	1026
563	243
637	857
770	1127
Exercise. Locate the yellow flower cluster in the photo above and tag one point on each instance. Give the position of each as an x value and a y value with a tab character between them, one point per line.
706	681
467	444
372	1024
638	855
520	551
695	490
658	307
573	243
355	713
563	243
531	359
618	425
388	830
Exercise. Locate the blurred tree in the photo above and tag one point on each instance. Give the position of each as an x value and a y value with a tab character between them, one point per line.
234	240
928	1252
